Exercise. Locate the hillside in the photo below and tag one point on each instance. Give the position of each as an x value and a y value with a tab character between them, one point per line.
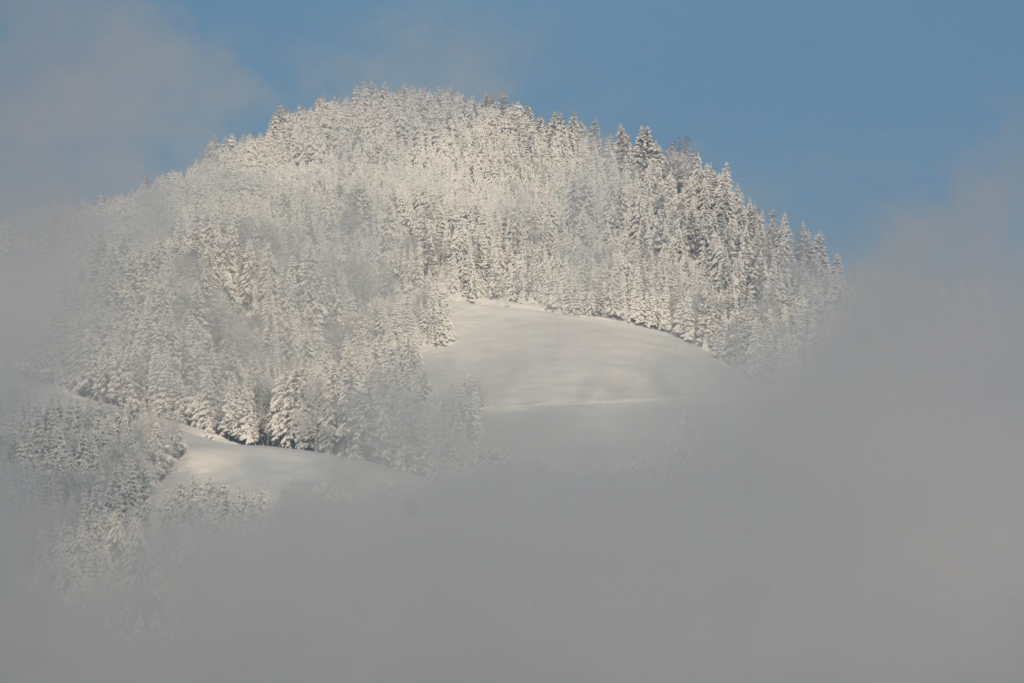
566	391
308	293
279	291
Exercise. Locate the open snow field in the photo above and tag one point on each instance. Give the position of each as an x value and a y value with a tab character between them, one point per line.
578	390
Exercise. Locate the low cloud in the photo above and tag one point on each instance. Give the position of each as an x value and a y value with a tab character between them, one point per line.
97	95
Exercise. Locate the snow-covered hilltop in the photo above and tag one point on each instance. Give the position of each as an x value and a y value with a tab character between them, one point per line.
293	290
279	291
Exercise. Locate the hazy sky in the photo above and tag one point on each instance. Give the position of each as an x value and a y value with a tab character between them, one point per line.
832	112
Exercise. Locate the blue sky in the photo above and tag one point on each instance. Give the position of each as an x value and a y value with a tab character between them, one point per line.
837	113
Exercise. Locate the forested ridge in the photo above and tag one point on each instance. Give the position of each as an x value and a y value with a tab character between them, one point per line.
279	290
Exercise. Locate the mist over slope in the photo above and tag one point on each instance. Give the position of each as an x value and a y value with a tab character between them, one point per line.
858	521
857	524
278	292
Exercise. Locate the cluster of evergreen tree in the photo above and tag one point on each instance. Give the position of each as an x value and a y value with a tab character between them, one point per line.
90	472
208	503
82	478
278	292
264	335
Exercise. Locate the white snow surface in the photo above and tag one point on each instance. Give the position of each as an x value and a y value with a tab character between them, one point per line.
220	461
577	390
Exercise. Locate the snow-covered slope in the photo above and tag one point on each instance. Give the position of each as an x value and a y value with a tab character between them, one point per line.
565	390
569	389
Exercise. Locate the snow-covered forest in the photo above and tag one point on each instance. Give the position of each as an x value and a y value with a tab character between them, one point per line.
278	291
281	291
